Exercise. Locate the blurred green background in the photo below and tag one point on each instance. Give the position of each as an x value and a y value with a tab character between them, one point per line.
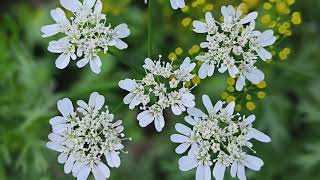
287	104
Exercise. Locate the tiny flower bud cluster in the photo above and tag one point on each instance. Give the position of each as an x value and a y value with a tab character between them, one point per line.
86	138
161	88
220	139
233	45
87	33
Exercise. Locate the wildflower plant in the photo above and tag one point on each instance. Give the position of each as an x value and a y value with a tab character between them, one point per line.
162	87
217	140
86	34
87	138
233	45
175	4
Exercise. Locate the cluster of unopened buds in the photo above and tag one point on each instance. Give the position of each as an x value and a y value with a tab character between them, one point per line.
218	139
86	34
86	136
163	83
233	45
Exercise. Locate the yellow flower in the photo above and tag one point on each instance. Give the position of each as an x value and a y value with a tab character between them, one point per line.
172	56
185	9
296	18
207	7
272	1
267	6
195	80
178	51
194	49
262	85
230	99
188	84
238	107
290	2
266	19
284	53
248	97
230	88
201	2
282	8
251	3
186	22
224	95
261	94
273	24
250	106
230	81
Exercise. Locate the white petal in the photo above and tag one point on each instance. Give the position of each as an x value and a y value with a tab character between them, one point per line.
55	137
199	27
121	44
217	107
203	172
104	169
97	173
183	129
240	83
122	30
176	110
233	71
98	7
59	16
69	164
128	98
230	108
113	159
71	5
84	173
218	171
50	30
190	120
249	119
258	135
203	71
264	54
127	84
178	138
81	63
62	61
88	3
207	103
145	118
187	163
57	120
234	168
241	173
65	107
95	65
195	112
62	158
253	162
55	146
250	17
159	123
182	148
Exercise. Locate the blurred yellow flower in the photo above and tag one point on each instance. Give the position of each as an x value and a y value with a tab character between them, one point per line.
230	81
251	3
261	94
296	18
178	51
186	21
230	99
290	2
172	56
195	80
238	107
185	9
248	97
194	49
224	95
230	88
266	19
262	85
207	7
282	8
250	106
267	6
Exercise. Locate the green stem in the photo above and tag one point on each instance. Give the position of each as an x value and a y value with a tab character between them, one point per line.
149	28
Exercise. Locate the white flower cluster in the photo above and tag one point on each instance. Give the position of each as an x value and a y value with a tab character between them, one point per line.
233	45
161	88
86	34
218	139
175	4
84	136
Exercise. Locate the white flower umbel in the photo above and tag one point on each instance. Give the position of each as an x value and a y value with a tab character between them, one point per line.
233	45
175	4
88	138
87	33
161	88
218	139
